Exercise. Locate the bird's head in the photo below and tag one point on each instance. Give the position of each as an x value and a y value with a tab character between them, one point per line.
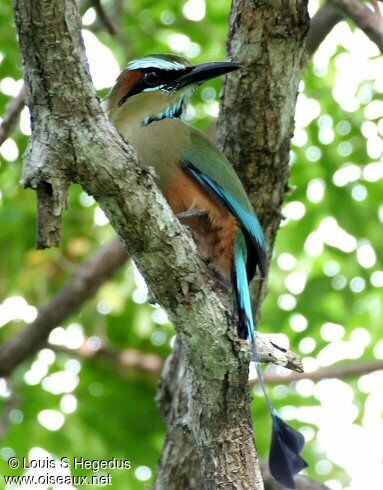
157	86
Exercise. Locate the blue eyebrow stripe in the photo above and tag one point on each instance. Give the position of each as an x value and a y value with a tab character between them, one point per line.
154	63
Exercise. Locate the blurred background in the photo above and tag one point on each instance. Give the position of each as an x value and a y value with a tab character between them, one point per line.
91	391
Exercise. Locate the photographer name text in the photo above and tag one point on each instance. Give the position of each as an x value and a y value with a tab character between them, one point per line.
73	462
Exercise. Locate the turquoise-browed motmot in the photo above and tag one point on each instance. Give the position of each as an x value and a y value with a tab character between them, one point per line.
147	105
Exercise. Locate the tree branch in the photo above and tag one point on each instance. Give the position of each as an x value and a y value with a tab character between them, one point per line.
333	11
153	363
376	7
104	18
268	353
366	19
346	371
122	361
12	115
321	25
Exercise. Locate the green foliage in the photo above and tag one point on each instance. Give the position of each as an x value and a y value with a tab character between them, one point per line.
116	414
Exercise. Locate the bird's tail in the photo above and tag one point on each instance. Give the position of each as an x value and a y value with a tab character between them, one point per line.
286	443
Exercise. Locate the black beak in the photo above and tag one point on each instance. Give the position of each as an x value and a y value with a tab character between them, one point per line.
206	71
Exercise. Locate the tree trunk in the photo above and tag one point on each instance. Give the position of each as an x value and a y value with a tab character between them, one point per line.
255	126
257	109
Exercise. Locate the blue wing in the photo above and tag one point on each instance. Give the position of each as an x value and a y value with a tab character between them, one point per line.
211	169
248	222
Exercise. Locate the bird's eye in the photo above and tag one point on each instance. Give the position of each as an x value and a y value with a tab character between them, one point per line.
151	78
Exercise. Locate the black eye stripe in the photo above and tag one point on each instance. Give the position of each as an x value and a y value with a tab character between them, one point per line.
166	81
165	76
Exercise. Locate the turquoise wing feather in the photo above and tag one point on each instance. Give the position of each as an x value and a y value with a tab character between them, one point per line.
205	163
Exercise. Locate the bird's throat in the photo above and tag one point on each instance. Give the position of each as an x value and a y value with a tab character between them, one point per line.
176	110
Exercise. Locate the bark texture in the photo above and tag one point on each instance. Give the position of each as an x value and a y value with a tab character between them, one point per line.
179	467
255	126
258	106
72	141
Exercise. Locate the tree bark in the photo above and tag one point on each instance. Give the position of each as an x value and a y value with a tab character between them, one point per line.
179	467
257	108
255	126
72	141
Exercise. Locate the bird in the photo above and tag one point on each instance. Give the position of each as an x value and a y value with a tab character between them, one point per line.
147	106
